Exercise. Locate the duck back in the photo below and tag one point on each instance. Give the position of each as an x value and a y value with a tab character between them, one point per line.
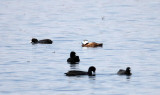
92	44
75	73
121	72
73	59
45	41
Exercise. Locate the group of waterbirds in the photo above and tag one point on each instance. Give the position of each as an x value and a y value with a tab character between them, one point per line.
73	59
91	70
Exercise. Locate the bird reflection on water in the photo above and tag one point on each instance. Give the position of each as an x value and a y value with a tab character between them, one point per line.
74	66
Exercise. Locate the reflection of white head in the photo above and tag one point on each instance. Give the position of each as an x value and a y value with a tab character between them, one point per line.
85	42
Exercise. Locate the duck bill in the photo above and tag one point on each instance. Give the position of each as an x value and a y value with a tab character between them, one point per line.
94	73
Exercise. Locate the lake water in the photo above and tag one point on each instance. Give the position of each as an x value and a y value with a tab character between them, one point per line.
128	29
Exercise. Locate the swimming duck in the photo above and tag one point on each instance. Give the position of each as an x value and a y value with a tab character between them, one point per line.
91	72
125	72
44	41
73	58
85	43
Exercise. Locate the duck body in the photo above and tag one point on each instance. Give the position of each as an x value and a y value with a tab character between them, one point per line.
44	41
76	73
124	72
85	43
92	44
91	72
73	58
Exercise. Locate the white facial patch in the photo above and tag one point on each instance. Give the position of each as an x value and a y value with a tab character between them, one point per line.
85	42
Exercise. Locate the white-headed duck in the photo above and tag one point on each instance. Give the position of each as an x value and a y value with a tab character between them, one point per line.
91	72
85	43
44	41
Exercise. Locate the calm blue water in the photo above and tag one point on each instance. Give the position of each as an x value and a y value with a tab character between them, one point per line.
129	30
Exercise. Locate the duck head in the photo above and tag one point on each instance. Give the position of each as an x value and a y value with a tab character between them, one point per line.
34	40
84	42
72	54
128	70
91	71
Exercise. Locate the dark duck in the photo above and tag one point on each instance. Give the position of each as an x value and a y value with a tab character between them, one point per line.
44	41
85	43
125	72
91	72
73	58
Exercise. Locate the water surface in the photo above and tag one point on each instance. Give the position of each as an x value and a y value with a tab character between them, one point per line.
128	29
